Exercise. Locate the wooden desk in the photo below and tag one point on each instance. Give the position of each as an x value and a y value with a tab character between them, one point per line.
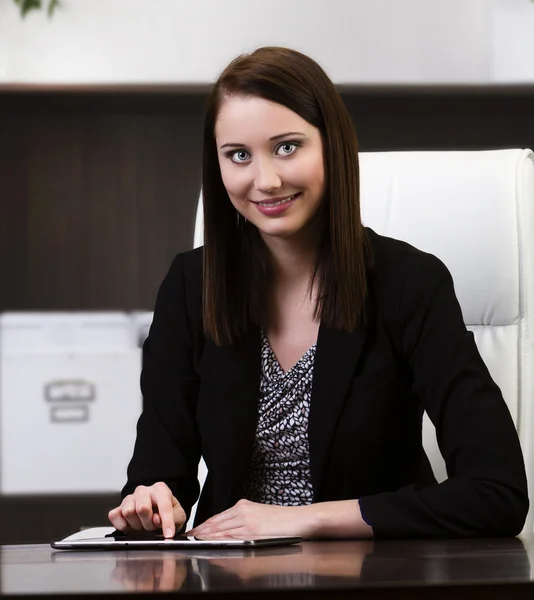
496	568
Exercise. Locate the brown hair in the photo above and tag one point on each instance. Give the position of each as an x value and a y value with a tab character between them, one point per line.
236	261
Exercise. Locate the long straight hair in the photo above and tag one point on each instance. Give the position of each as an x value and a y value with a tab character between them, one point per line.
237	269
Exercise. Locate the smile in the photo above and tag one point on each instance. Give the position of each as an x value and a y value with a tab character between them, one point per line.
280	202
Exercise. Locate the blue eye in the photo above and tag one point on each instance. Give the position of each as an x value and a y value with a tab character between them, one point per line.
239	156
287	148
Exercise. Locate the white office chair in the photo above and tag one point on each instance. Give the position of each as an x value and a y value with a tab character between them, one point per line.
475	211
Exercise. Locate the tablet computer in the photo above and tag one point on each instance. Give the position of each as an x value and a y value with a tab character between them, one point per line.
119	541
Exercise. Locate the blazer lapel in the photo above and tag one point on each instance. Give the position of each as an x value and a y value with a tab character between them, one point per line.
233	407
336	357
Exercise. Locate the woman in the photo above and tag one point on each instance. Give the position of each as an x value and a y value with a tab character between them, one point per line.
297	351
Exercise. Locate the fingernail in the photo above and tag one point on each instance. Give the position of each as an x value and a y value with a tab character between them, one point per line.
168	533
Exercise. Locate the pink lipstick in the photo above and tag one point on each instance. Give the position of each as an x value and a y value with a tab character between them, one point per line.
276	206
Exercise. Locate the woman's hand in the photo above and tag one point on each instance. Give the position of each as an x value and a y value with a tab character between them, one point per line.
250	519
340	519
148	509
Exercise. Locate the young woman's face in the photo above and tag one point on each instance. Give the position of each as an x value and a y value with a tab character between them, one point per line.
271	164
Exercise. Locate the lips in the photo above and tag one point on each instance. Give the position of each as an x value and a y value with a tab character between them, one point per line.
272	202
274	207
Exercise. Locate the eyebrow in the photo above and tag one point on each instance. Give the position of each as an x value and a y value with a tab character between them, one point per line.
272	139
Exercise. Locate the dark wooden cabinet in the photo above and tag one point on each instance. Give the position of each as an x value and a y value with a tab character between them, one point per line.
99	185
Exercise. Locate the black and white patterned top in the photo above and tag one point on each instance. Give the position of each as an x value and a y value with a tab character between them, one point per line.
280	466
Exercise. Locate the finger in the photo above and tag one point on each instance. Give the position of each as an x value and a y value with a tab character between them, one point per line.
240	533
217	521
143	508
130	514
117	520
222	527
156	519
162	498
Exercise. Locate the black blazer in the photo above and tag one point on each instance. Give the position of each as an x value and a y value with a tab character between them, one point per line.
368	395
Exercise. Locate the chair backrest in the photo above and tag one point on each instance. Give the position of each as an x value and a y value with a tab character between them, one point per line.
475	211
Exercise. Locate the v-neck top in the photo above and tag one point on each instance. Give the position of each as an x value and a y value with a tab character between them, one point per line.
279	471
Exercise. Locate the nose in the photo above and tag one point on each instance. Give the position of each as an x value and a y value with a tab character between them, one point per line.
266	177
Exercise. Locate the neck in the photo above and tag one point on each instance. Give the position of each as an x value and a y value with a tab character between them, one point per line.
291	264
293	259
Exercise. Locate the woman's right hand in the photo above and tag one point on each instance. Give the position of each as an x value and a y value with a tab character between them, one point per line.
148	509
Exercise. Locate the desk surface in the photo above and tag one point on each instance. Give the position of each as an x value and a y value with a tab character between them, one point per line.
494	568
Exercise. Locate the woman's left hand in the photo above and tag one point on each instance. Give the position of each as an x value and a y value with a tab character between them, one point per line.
251	519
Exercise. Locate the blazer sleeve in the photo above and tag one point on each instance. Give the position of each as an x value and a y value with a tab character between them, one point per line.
486	490
167	446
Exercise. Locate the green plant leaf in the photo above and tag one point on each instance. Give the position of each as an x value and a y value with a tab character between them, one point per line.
27	5
52	7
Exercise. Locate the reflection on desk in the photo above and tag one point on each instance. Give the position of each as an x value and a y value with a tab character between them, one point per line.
322	566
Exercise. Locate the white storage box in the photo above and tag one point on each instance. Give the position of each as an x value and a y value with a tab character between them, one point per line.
142	320
69	401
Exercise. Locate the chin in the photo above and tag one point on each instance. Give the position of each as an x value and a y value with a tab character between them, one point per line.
279	232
